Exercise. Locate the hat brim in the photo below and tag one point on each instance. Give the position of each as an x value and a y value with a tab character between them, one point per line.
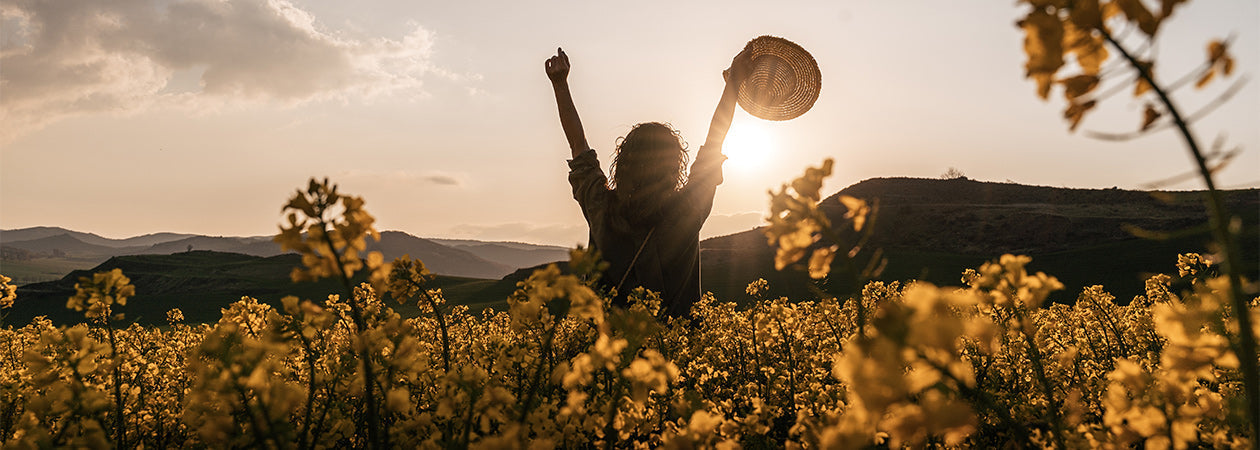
783	82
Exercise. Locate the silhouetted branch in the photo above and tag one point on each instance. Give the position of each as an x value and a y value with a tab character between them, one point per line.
1213	168
1189	119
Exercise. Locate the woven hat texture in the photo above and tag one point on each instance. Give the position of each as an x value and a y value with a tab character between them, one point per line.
783	82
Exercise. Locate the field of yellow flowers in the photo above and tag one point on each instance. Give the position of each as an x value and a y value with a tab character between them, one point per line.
985	364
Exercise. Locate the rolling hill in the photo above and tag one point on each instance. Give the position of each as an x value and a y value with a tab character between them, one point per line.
515	254
26	234
47	253
438	258
200	283
67	244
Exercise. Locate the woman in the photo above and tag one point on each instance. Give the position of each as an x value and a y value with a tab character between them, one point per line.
646	221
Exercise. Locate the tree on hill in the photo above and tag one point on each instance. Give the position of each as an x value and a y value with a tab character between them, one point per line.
953	174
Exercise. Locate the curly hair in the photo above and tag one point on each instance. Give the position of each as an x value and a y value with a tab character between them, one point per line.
650	155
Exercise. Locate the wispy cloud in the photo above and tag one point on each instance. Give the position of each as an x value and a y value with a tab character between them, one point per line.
446	180
63	58
406	177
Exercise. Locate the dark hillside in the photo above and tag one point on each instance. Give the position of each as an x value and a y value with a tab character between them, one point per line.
256	246
200	283
973	217
437	257
933	229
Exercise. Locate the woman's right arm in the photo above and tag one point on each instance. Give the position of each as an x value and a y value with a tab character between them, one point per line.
558	71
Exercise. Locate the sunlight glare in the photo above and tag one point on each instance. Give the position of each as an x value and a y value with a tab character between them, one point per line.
748	145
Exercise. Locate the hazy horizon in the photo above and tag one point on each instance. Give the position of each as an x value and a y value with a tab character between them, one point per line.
709	232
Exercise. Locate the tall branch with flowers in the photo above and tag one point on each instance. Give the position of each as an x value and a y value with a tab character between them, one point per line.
1057	31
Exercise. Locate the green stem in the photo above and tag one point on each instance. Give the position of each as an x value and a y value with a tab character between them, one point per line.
536	378
1245	347
120	430
356	314
611	435
303	438
441	320
979	398
787	346
1034	354
260	436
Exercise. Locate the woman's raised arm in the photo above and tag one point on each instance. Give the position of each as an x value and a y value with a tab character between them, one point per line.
558	71
725	112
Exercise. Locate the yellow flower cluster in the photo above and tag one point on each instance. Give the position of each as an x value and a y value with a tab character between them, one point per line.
329	230
98	293
8	292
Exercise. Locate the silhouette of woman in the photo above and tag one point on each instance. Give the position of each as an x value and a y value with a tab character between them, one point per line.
646	221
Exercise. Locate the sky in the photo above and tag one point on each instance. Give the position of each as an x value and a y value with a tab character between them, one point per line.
128	117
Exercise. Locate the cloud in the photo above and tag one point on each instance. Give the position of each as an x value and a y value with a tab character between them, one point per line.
62	58
404	177
446	180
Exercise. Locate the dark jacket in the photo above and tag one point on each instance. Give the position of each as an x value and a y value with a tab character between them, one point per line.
669	262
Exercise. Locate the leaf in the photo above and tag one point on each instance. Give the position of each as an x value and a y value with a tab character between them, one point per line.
1043	84
792	244
856	209
1149	116
1141	86
1078	85
1206	78
1109	10
1076	111
1137	13
1219	60
1089	48
820	262
1166	7
1216	51
810	184
1043	44
1086	14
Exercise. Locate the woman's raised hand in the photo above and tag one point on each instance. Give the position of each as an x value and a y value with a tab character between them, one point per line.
741	65
558	66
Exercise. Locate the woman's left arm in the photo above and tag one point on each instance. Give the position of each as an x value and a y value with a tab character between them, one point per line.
725	111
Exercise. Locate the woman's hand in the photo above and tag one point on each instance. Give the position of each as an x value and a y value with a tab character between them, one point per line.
558	66
740	67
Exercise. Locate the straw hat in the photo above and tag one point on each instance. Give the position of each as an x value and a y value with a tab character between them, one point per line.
783	82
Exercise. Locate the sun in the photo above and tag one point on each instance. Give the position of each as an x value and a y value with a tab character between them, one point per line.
748	145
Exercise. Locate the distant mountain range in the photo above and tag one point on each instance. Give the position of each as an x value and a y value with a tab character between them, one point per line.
927	229
48	253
